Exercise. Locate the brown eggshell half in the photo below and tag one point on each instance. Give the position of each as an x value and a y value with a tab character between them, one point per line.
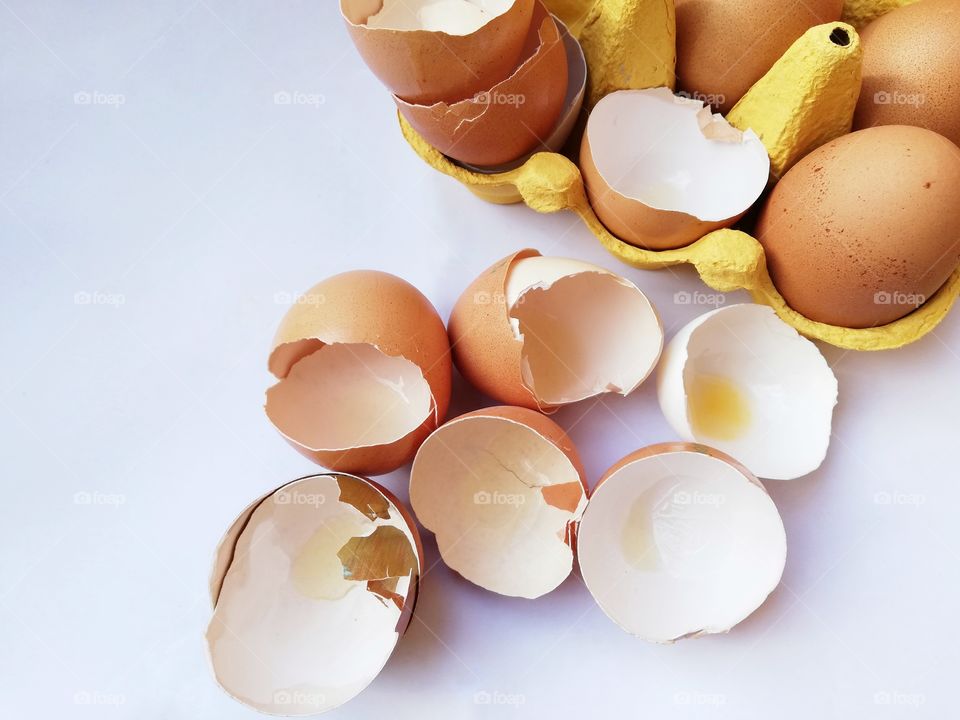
485	349
363	308
425	67
506	120
634	128
526	546
636	223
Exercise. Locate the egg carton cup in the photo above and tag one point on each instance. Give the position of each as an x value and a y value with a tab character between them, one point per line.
805	100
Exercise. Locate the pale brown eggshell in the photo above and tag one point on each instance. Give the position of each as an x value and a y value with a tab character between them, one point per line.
633	130
911	69
425	67
313	585
725	46
363	308
504	121
502	489
485	349
865	228
680	540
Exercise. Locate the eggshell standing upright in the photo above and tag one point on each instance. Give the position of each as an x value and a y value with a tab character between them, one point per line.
352	356
864	229
504	121
725	46
911	69
437	63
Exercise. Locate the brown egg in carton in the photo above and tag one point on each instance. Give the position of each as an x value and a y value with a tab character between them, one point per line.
515	141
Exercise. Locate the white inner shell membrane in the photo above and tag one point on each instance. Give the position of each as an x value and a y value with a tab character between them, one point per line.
348	395
679	543
648	145
585	331
289	635
476	483
454	17
784	380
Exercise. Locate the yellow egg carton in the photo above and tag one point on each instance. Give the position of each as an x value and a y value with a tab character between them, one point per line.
806	99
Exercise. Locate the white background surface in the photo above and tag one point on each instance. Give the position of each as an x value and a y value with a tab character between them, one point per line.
187	214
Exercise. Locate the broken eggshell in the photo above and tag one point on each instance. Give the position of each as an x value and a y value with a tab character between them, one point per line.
680	540
502	489
542	332
572	105
364	369
742	380
427	52
504	121
662	171
312	587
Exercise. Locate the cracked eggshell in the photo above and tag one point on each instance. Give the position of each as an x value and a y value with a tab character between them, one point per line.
680	540
504	121
312	587
742	380
363	363
502	489
662	171
543	332
427	52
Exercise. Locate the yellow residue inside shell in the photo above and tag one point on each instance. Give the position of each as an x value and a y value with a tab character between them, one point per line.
717	408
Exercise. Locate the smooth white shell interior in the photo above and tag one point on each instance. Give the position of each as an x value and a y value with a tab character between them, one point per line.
680	544
670	153
742	380
348	395
499	497
585	331
291	634
454	17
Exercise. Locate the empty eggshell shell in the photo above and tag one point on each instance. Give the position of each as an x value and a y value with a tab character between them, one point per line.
364	367
680	540
426	52
542	332
314	584
504	121
502	488
662	171
742	380
572	105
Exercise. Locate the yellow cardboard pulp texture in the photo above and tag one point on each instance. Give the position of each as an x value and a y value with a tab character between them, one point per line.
806	99
860	12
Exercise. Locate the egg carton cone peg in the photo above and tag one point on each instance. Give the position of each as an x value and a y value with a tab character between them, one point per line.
807	98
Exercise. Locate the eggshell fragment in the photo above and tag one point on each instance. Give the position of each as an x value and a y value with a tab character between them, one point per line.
364	368
572	105
427	52
543	332
865	229
502	488
661	171
321	582
679	540
911	69
504	121
744	381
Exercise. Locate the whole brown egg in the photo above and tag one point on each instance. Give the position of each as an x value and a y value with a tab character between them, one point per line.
865	228
911	68
725	46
